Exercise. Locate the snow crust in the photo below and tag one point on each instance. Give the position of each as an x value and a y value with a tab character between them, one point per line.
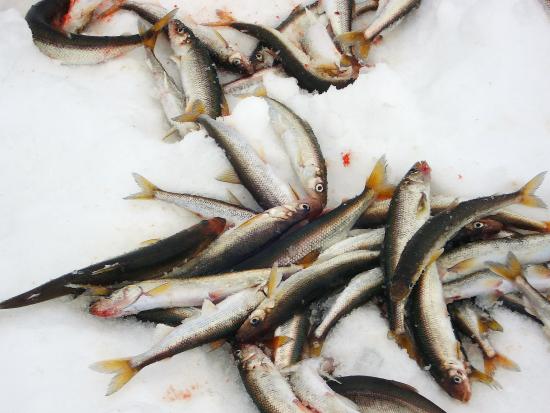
463	85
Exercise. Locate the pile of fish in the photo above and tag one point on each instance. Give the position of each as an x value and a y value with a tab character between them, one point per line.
272	281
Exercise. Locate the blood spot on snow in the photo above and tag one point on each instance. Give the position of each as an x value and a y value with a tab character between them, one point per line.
460	176
346	158
172	394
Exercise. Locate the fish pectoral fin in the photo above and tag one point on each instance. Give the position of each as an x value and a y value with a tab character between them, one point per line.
229	176
309	258
423	205
463	266
217	344
208	307
159	290
274	280
477	375
435	256
148	242
487	323
94	290
192	112
233	199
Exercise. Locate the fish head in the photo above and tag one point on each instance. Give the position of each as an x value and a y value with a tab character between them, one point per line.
419	174
179	34
483	228
399	290
316	188
116	305
248	355
262	58
241	62
455	382
253	326
292	213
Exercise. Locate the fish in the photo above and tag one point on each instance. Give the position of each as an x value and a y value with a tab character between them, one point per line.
482	229
486	283
302	288
511	219
374	394
212	324
199	78
435	338
340	14
427	243
473	257
307	242
172	98
295	62
536	303
243	241
358	291
172	317
202	206
377	213
79	14
294	330
515	303
370	240
317	43
265	384
364	7
409	210
252	85
302	148
157	294
475	323
249	169
46	21
309	385
151	261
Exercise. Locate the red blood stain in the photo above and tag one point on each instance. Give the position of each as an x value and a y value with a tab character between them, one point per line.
346	158
172	394
460	176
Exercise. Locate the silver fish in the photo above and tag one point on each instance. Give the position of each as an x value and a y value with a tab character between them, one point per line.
388	14
252	85
294	329
370	240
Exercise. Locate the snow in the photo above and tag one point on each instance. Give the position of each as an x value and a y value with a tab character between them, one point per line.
463	85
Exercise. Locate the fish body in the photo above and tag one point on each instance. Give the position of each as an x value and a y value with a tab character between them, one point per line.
200	205
511	219
377	395
482	229
475	323
265	186
301	288
515	303
427	243
485	283
309	385
148	262
295	329
389	13
206	327
155	294
322	232
435	336
172	317
536	303
370	240
302	148
358	291
294	60
409	210
47	20
198	74
265	384
252	85
340	15
473	257
243	241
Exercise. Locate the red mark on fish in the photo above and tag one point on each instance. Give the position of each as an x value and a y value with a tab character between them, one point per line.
346	158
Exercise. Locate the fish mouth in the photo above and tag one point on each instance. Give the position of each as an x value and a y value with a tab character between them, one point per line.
100	310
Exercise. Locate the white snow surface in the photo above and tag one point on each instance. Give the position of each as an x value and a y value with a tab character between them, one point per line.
461	84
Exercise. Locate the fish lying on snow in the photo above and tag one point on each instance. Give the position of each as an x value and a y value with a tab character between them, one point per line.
151	261
294	330
210	325
46	20
200	205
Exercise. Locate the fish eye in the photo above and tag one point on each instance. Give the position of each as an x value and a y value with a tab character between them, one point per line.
255	321
238	353
319	188
411	285
259	57
179	29
478	225
305	207
457	379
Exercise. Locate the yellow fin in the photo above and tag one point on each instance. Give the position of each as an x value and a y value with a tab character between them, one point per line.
435	256
192	112
170	132
423	205
229	176
217	344
147	188
489	323
462	266
484	378
148	242
405	341
528	197
150	36
377	178
309	258
95	290
510	271
161	289
274	280
491	364
107	268
121	368
540	271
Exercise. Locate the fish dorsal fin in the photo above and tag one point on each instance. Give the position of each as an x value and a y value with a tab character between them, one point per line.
275	278
229	176
208	307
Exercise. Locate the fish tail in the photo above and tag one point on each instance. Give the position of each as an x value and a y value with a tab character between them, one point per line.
149	37
510	271
122	369
406	342
357	40
528	198
192	112
377	179
147	188
491	364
